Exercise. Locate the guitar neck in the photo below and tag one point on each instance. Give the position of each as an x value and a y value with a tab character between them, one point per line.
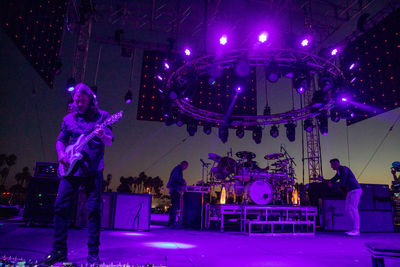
88	138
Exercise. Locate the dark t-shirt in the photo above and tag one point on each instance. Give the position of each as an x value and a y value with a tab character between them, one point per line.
73	126
346	179
176	181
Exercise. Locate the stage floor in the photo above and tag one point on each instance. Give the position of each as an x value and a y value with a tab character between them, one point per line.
181	247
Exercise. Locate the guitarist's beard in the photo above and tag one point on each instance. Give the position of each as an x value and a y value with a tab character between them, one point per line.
90	112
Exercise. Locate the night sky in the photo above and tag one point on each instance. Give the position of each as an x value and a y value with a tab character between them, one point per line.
29	124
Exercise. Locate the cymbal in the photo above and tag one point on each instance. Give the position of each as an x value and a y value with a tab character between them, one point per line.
245	155
273	156
214	157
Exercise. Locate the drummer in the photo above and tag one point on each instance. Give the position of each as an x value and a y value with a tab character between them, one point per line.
251	164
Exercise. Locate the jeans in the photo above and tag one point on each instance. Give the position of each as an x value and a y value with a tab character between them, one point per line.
176	204
67	190
351	208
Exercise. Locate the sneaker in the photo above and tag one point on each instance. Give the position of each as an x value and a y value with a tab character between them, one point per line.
353	233
54	257
93	260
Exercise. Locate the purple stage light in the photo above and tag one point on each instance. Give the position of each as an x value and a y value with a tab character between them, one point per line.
223	40
239	89
263	37
343	99
71	89
300	90
159	77
187	98
166	65
160	90
353	80
305	42
187	52
352	66
334	52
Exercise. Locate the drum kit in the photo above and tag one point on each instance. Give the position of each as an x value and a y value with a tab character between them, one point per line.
245	182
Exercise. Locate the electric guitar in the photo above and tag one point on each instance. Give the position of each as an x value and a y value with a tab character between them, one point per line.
73	151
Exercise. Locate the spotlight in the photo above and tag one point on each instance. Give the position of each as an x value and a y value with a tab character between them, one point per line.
223	133
308	125
223	40
263	37
273	74
334	114
240	132
334	52
70	86
128	97
325	82
179	121
353	80
301	81
239	89
305	42
191	128
207	129
166	65
291	131
257	134
352	66
212	81
274	132
323	122
159	77
318	100
187	52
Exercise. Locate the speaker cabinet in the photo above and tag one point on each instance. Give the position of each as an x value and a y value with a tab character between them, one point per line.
40	200
334	216
107	210
376	221
132	211
192	210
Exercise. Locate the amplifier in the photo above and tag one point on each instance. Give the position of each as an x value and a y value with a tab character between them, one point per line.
45	169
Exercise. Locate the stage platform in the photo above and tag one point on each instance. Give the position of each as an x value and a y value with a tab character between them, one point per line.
180	247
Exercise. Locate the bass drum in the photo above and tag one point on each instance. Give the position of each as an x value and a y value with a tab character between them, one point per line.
260	192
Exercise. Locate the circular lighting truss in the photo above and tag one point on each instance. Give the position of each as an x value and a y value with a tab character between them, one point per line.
286	59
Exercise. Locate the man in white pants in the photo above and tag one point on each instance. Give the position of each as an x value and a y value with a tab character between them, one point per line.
349	183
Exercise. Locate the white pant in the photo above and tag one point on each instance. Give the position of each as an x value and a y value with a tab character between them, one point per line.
351	208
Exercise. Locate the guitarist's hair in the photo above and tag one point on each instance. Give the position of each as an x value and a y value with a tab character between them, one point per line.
84	89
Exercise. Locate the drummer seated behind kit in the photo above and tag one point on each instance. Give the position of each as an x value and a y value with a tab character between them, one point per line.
253	165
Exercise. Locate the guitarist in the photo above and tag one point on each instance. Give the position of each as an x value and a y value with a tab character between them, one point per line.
176	186
88	172
346	180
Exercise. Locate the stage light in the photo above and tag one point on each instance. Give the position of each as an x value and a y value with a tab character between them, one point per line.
186	99
263	37
273	74
240	132
344	99
212	81
223	40
291	131
353	80
257	134
274	132
239	89
304	42
166	65
334	115
334	52
308	125
223	133
301	81
325	82
128	97
187	52
70	85
273	77
191	128
318	100
207	129
323	122
352	66
159	77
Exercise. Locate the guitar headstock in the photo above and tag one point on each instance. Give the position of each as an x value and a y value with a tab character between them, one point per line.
114	118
